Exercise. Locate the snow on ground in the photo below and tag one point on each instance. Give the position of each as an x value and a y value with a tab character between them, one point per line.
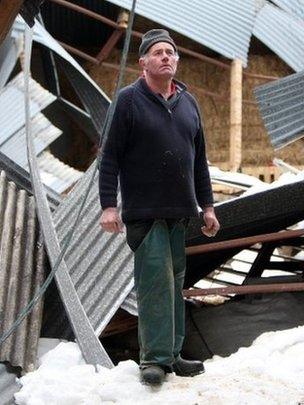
271	371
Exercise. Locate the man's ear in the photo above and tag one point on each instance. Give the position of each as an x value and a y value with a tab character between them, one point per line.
142	63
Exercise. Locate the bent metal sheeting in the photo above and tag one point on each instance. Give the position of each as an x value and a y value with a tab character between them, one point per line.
283	33
294	6
281	106
223	26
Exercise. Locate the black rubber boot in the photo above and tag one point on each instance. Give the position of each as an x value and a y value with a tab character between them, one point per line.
188	368
152	375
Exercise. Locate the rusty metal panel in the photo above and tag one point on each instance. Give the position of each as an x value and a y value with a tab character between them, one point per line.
281	106
283	33
21	273
223	26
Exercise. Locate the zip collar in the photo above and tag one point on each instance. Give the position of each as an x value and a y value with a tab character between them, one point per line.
141	85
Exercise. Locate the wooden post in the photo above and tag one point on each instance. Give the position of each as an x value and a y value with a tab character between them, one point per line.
8	12
236	115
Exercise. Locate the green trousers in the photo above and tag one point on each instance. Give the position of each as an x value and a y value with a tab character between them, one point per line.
159	270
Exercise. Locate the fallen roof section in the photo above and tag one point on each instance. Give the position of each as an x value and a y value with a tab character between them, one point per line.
100	264
283	33
22	273
92	97
12	118
260	213
224	27
281	105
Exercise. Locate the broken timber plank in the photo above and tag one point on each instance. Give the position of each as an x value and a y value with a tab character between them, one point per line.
245	289
243	242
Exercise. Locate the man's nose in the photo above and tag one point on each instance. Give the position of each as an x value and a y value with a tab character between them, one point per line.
165	57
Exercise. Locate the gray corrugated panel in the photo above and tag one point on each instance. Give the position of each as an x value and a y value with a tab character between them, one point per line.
100	264
44	133
130	304
281	105
22	273
295	6
8	385
88	86
12	115
224	26
283	33
9	52
57	175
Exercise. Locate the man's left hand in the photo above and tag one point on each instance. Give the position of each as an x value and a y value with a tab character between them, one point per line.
211	223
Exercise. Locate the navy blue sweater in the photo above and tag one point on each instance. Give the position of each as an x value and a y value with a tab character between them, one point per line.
156	148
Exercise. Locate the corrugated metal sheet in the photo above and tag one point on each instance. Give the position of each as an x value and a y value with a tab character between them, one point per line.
100	100
8	385
44	133
12	118
283	33
100	264
295	6
22	273
281	106
56	174
223	26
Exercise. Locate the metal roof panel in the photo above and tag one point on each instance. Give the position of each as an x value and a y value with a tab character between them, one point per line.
283	33
224	27
281	106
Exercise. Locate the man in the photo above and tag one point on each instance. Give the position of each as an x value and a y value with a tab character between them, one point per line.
156	148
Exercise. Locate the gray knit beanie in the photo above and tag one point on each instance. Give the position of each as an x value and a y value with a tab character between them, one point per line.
152	37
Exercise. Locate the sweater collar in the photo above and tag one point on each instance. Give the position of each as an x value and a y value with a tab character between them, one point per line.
141	84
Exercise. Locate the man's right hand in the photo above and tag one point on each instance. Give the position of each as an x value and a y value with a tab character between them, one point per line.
110	220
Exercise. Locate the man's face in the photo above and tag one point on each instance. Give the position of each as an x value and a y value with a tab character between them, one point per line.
160	61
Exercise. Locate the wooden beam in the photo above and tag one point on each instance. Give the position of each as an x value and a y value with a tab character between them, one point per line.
109	45
236	114
122	22
244	242
245	289
8	12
